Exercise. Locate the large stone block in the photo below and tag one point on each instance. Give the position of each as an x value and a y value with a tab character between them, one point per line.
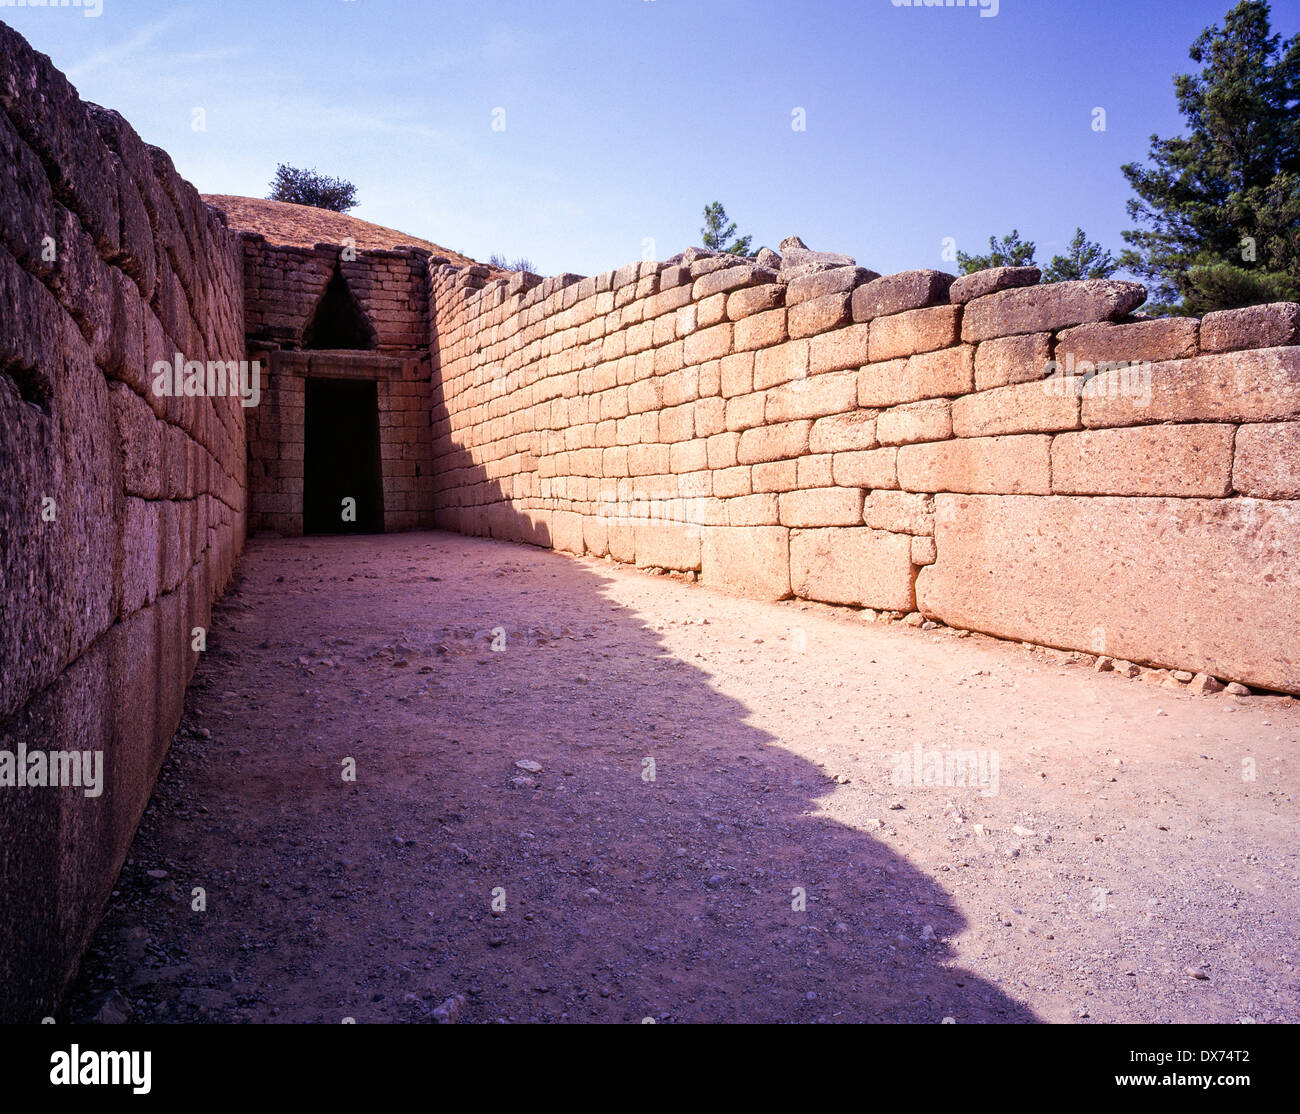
819	315
981	465
785	362
990	281
1256	386
667	545
822	506
1059	305
567	532
747	561
44	106
853	565
1005	360
760	331
948	372
774	442
1166	338
1052	404
839	349
814	397
899	293
1267	326
913	332
1268	460
899	512
872	468
708	344
731	278
917	421
761	509
1204	585
839	433
754	299
822	284
140	439
1171	460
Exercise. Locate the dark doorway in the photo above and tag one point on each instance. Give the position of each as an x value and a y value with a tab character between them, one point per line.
338	321
341	458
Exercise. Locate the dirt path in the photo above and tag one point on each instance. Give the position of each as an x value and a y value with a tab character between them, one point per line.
1122	849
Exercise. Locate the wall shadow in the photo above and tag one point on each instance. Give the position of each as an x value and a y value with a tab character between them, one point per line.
624	899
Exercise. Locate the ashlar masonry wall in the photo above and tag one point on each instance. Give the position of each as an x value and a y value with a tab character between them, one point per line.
800	426
285	287
121	510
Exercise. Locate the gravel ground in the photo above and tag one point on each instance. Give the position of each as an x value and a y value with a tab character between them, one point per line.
784	858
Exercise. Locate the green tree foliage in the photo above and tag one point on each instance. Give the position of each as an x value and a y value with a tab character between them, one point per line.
1008	252
720	235
1083	259
306	187
1219	208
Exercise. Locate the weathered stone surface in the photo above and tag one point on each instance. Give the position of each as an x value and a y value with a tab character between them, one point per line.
1168	338
780	364
567	533
798	259
900	512
755	299
752	562
947	372
775	442
667	545
759	509
1001	465
898	293
818	315
990	281
917	421
761	330
730	278
913	332
121	510
873	468
1059	305
1167	582
1045	406
814	397
708	344
1268	460
1006	360
838	350
1269	326
859	566
843	432
822	506
924	551
1163	460
1259	386
821	284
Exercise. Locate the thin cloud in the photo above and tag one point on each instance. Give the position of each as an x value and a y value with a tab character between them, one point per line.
117	54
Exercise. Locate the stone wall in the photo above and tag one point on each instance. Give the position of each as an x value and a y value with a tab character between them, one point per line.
121	510
800	426
284	289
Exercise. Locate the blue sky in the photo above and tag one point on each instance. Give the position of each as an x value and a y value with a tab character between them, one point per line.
624	117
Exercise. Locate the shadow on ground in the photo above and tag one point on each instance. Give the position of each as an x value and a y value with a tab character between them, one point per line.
623	898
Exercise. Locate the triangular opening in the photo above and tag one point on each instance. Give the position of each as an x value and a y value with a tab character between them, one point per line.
338	321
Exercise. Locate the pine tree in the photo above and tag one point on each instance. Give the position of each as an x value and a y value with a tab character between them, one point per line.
1008	252
717	231
1083	260
1219	209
